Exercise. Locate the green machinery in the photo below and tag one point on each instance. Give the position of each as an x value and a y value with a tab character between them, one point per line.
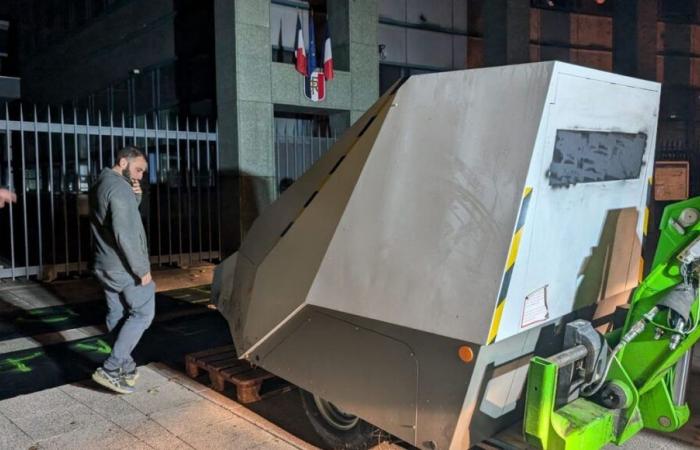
605	389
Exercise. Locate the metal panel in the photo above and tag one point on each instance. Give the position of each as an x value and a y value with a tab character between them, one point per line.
322	194
441	189
570	269
410	383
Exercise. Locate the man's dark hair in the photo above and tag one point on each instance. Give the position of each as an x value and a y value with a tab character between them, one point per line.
129	153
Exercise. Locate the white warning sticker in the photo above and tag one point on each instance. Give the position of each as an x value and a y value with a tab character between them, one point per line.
535	308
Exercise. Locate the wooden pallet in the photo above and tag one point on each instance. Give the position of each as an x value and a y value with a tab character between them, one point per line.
223	366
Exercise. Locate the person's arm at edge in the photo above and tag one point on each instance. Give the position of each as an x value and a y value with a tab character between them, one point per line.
123	218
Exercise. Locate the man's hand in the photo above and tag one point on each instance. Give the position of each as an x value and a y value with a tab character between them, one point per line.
7	196
146	279
136	187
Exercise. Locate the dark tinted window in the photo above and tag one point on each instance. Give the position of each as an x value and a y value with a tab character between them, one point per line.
592	156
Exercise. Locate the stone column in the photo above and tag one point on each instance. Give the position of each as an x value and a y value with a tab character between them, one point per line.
354	33
506	32
245	111
634	38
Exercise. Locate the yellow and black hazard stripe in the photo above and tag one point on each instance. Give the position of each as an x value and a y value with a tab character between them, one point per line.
645	227
510	264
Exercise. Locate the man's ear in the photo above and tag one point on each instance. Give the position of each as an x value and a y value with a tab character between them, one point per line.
123	163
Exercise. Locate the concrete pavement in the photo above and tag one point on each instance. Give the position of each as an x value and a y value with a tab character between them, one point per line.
167	411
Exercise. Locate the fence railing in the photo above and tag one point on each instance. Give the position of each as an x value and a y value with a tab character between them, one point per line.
297	148
51	157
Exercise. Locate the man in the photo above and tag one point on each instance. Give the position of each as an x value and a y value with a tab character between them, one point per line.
7	196
122	264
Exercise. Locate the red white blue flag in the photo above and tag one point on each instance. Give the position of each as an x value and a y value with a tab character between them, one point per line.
299	50
315	81
327	55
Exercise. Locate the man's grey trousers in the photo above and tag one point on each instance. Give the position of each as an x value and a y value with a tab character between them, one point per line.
138	302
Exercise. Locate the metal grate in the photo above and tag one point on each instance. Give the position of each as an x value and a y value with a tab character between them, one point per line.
51	164
297	148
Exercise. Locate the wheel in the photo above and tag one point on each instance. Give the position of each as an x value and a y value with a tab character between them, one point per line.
339	429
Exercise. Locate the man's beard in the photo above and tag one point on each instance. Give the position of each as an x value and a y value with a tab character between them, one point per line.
126	172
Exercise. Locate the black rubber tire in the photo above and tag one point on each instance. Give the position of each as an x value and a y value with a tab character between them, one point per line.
362	436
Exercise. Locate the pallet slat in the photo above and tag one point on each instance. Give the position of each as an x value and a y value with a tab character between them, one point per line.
222	366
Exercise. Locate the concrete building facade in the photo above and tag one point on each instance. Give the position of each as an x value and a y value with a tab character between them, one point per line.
231	60
251	89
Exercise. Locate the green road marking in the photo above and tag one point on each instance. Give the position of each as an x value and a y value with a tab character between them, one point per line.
48	316
94	346
18	364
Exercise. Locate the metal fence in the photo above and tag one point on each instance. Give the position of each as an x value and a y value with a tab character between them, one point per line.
51	157
297	147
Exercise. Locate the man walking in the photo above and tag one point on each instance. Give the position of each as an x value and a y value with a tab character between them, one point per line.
122	264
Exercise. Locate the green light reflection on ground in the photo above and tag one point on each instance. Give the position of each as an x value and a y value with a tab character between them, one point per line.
19	364
94	346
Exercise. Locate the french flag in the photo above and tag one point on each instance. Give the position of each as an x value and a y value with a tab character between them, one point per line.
328	55
299	50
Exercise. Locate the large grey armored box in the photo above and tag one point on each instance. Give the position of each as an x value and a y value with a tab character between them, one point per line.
411	273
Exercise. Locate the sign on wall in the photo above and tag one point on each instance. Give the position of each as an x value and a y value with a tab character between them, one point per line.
671	180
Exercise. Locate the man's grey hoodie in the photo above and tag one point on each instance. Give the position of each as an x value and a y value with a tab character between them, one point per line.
120	239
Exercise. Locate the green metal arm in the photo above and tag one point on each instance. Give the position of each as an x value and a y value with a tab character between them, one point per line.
644	369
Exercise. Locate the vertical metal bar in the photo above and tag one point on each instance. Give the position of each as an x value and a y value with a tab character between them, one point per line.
77	188
52	192
317	147
111	135
286	149
10	184
314	139
90	172
296	133
87	148
123	131
38	192
157	169
328	134
24	192
209	184
276	147
189	190
64	176
218	190
179	190
133	129
167	169
148	180
199	193
680	383
145	134
99	137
